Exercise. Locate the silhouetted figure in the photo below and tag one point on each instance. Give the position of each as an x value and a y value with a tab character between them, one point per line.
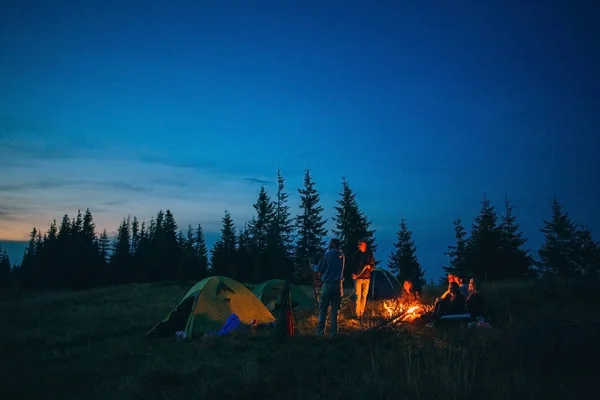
462	287
284	325
451	278
452	304
475	302
331	270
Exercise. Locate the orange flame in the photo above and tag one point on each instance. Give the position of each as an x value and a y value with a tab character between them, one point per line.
405	311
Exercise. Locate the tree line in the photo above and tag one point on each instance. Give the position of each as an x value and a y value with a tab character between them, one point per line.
275	244
496	249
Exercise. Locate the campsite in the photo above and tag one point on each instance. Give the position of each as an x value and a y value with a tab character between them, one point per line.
338	200
91	345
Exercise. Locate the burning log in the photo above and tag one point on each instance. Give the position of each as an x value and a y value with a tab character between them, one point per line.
397	311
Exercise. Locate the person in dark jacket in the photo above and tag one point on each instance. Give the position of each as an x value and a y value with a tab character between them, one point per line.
452	304
331	268
475	301
363	263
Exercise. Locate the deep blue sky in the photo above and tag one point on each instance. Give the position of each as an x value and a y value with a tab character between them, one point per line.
128	107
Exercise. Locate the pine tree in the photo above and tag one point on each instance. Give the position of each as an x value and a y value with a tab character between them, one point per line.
260	228
5	269
104	247
28	264
244	271
51	254
143	253
517	260
403	260
351	225
53	231
185	256
135	235
77	224
280	240
311	229
64	252
120	258
190	268
201	255
169	248
588	253
558	255
88	265
223	253
484	246
457	252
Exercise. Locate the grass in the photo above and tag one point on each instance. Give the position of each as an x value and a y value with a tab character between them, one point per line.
91	345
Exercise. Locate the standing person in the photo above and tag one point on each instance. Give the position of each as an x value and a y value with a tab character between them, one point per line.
363	263
331	268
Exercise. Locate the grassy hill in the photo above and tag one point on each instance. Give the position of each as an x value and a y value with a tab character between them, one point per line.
91	345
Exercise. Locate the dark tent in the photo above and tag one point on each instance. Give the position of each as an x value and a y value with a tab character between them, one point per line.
384	285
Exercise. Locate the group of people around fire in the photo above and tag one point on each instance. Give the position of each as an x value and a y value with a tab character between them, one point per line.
458	299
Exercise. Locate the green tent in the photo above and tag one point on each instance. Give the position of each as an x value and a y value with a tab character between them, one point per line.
208	304
270	292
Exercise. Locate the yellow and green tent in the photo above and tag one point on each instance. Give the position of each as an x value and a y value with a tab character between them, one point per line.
208	304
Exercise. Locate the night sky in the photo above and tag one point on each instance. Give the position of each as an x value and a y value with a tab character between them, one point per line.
128	107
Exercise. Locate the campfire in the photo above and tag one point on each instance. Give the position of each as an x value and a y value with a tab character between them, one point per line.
404	312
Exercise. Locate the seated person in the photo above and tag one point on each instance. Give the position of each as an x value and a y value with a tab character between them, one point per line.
475	301
454	303
451	278
462	287
408	296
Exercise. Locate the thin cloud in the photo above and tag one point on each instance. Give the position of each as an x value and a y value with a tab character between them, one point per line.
46	189
257	181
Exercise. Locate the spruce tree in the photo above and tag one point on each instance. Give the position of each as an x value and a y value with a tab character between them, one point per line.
516	259
558	254
5	269
28	263
457	251
168	248
403	259
484	246
89	264
310	226
352	225
588	253
64	252
77	224
135	235
223	253
104	247
260	228
120	258
244	271
201	255
280	240
143	253
51	254
185	259
192	267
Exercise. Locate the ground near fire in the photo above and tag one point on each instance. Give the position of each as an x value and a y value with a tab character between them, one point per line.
90	344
